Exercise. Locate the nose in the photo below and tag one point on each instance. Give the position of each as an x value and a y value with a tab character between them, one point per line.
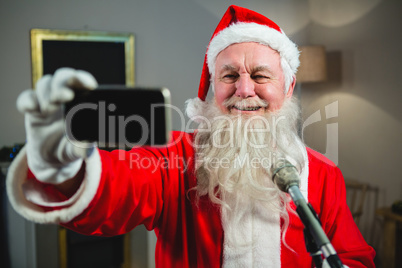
245	87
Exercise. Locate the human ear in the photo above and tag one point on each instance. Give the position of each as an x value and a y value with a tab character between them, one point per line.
292	85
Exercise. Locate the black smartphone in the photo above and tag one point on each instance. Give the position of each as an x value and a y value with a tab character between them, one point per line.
119	117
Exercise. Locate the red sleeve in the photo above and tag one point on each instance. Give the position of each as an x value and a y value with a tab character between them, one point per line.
131	190
328	197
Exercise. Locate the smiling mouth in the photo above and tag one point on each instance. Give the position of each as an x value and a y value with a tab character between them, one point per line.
245	105
247	108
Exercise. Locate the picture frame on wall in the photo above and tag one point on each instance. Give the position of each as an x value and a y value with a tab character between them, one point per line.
108	56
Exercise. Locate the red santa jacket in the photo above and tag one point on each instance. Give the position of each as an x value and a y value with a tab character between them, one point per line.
152	186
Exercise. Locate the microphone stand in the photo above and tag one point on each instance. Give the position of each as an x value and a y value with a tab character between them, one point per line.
287	179
314	226
311	246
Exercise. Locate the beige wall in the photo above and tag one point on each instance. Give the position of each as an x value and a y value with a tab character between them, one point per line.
171	39
362	38
364	56
365	62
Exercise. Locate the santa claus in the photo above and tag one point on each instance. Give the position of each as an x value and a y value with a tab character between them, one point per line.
208	195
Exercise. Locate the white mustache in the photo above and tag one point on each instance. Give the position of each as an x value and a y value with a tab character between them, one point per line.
241	103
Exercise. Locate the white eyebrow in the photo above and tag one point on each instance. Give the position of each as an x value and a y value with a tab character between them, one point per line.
227	67
262	68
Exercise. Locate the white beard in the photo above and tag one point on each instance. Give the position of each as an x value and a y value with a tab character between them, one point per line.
233	166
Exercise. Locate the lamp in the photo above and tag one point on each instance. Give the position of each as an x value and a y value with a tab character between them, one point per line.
313	64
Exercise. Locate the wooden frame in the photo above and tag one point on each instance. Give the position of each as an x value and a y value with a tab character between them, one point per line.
109	56
63	249
104	54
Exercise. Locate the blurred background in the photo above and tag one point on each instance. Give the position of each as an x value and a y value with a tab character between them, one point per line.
353	116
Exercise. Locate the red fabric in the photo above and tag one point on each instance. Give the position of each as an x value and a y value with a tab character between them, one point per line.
232	15
190	235
51	191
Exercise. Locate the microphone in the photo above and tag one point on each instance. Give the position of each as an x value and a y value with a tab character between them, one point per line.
286	177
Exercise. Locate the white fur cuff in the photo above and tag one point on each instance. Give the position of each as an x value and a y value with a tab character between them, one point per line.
20	192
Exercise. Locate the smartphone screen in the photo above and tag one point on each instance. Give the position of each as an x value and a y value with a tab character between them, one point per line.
119	117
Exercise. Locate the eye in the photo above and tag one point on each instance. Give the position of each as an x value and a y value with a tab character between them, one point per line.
229	77
260	79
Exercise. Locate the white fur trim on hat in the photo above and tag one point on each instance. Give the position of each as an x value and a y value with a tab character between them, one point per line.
194	108
252	32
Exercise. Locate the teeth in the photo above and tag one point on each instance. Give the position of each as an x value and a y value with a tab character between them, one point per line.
247	108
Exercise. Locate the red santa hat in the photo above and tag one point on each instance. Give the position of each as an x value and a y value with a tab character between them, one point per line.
239	25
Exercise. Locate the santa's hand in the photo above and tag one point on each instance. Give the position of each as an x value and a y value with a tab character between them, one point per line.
51	156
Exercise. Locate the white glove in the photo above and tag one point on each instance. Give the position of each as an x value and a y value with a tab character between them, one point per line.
52	158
